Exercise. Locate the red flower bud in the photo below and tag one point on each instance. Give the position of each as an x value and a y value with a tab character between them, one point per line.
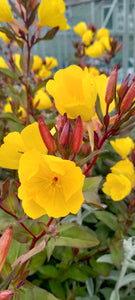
128	98
111	86
6	295
78	135
123	88
46	135
5	241
64	134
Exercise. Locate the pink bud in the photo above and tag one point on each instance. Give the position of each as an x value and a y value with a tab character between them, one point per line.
128	99
6	295
64	134
46	135
123	88
5	241
111	86
78	135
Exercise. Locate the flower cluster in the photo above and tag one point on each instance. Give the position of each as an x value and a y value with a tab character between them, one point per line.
121	180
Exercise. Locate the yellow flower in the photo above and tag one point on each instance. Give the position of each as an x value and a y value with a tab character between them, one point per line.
4	37
43	72
15	144
87	37
106	43
8	109
16	58
37	63
42	99
95	50
101	84
117	186
102	32
51	62
3	63
5	12
93	71
126	168
119	183
123	146
51	14
49	185
74	92
80	28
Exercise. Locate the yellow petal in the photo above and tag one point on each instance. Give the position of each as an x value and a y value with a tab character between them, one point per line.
11	151
5	12
32	139
48	181
117	186
123	146
51	14
80	28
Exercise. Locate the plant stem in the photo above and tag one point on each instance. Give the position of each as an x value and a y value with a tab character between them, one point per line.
21	223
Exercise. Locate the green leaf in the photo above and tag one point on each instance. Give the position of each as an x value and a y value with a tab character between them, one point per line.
99	110
48	36
74	273
90	156
30	291
92	183
48	271
32	15
107	218
127	279
9	74
101	268
73	235
57	288
40	85
115	295
117	252
13	123
36	262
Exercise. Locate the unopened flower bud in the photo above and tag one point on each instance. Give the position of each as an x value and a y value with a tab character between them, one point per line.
6	295
123	88
128	98
46	135
111	86
5	241
78	135
64	134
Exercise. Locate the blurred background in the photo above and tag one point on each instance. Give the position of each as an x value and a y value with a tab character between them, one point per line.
116	15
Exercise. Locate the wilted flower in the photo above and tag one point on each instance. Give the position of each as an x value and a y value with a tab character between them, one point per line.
42	100
123	146
49	185
51	14
74	92
15	144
